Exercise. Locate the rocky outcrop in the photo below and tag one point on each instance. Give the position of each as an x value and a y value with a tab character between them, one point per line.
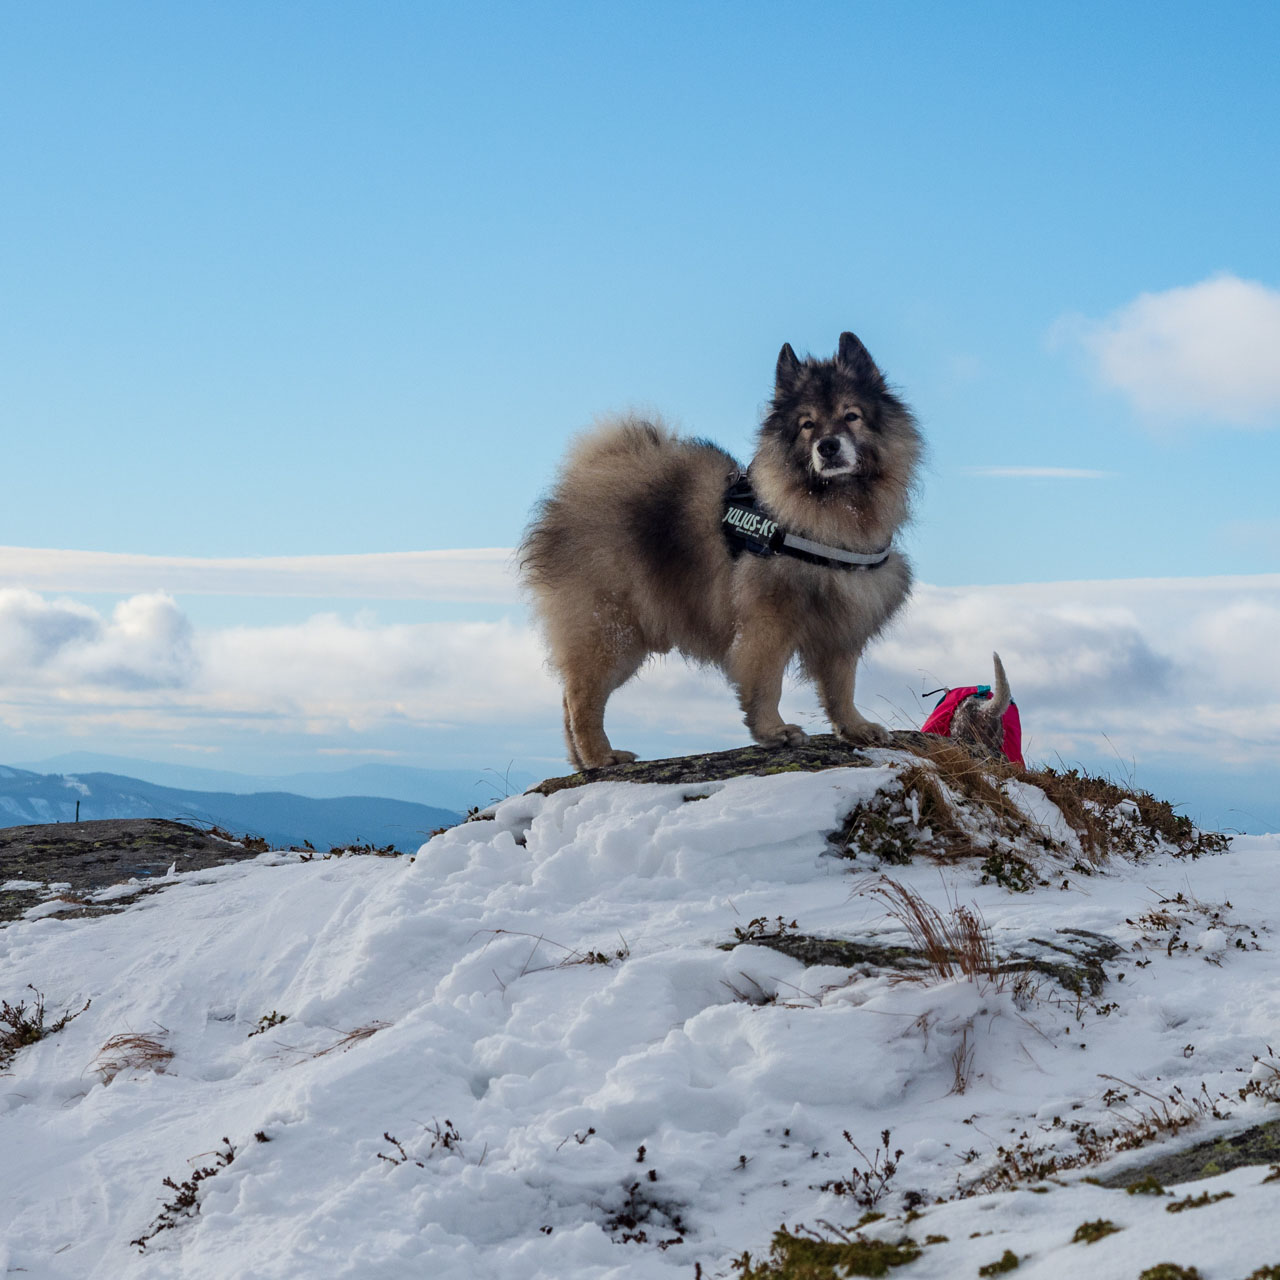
87	856
822	751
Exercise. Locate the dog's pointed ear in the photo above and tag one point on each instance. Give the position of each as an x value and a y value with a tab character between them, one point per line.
856	360
788	370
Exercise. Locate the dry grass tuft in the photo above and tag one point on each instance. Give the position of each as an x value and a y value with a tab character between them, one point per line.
1109	819
353	1038
962	1062
952	805
1090	804
955	945
970	776
129	1052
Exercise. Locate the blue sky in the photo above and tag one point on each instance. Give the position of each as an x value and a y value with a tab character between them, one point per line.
299	280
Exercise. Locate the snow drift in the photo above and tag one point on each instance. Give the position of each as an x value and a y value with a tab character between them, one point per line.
558	1043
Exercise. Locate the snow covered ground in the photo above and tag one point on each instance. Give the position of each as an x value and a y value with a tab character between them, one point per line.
451	1096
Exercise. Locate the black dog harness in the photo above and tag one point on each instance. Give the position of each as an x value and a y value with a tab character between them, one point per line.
749	527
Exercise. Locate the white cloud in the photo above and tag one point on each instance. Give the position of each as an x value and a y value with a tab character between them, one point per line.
145	643
1208	352
1160	667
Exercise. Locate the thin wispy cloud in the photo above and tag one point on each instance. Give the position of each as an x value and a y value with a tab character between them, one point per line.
473	575
1039	473
1207	352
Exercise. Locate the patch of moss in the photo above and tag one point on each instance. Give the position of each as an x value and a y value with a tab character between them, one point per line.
1092	1232
1169	1271
793	1257
1147	1186
1008	1261
1197	1202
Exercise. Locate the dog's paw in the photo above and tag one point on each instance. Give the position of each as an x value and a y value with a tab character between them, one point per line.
864	733
610	757
785	735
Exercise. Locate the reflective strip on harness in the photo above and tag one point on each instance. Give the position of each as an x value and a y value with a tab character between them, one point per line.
835	553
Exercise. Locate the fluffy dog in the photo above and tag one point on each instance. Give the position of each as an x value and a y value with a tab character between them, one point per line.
631	555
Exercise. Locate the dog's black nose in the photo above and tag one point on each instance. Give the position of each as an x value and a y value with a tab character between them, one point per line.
828	447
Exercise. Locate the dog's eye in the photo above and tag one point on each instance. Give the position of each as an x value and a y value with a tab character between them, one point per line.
806	425
852	416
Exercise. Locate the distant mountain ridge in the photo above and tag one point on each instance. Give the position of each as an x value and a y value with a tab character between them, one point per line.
455	789
280	817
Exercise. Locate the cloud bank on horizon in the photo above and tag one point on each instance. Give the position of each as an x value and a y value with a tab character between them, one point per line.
1163	667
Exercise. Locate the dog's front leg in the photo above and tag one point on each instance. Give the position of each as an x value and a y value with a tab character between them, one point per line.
834	673
756	664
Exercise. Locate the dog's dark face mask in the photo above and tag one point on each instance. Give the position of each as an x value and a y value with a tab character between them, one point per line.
833	416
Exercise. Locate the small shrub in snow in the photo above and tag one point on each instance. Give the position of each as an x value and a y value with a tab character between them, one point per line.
364	851
866	1185
762	927
1171	1271
596	957
444	1137
642	1212
186	1199
1010	871
401	1156
267	1021
879	830
22	1024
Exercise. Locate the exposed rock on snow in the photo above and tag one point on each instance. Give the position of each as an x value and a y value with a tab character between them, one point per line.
1073	958
820	751
85	857
1258	1145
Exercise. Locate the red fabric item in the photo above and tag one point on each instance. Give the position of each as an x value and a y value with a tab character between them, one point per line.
939	722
